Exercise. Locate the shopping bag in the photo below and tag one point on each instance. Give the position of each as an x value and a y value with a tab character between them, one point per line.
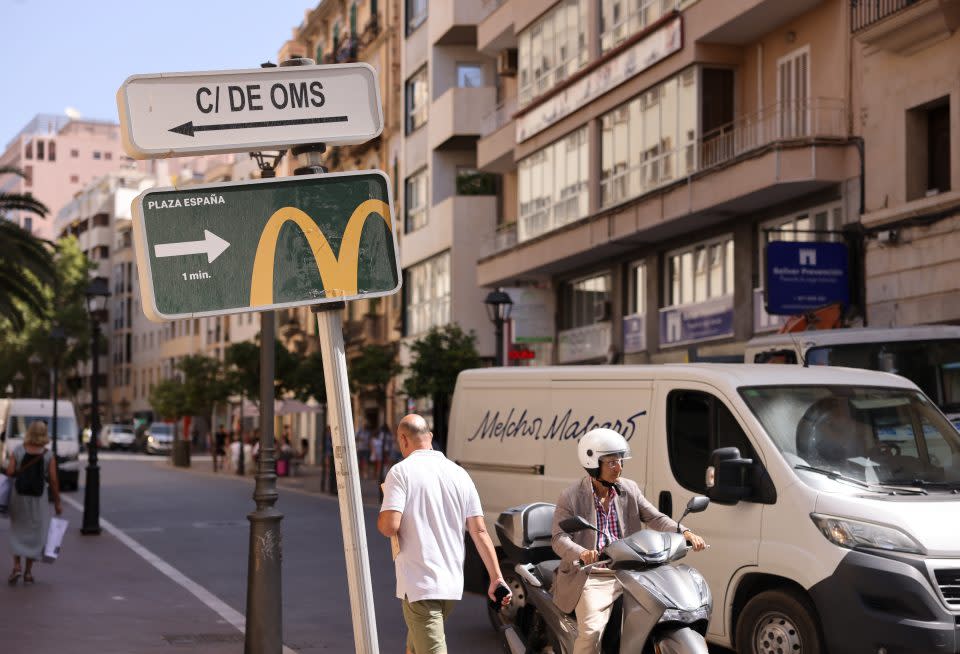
6	483
58	527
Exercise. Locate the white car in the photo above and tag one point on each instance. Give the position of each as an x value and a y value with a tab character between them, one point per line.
159	438
118	436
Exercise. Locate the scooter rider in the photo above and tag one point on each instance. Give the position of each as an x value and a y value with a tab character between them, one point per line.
619	509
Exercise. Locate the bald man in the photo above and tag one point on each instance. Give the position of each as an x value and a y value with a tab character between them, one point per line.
429	502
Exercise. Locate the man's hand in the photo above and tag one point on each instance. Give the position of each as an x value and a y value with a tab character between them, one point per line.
695	541
491	591
589	556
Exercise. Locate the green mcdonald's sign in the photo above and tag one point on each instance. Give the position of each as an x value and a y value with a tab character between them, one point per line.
253	246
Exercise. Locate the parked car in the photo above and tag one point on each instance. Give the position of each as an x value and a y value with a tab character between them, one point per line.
118	436
159	438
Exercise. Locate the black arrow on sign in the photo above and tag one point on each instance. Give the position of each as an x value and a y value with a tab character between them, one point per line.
189	129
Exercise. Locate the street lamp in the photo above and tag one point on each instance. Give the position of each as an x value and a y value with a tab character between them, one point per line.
498	306
97	293
34	362
18	382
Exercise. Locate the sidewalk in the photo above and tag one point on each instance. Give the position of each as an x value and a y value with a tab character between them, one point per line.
132	608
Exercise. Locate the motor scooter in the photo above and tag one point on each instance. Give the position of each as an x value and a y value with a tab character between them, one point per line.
664	608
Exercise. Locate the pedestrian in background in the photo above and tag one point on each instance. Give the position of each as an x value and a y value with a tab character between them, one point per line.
34	468
219	448
363	449
429	502
376	455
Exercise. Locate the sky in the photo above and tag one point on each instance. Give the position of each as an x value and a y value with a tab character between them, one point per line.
77	53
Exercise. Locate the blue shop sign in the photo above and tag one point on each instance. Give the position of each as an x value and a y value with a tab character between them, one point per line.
803	276
697	322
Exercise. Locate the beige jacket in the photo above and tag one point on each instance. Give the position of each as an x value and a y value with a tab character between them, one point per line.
633	511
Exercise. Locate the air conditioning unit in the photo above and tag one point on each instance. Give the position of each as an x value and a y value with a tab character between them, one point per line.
507	62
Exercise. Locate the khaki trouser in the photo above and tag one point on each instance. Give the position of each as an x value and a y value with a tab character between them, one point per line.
425	625
593	610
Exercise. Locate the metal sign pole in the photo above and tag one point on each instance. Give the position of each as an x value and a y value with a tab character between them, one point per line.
340	413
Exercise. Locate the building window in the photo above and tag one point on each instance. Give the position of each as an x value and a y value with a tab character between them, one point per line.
28	175
40	145
699	273
28	150
928	149
469	76
619	19
428	294
418	99
637	289
697	424
52	151
108	156
74	153
96	155
28	224
552	49
650	141
416	14
793	91
585	301
74	179
471	181
415	197
552	186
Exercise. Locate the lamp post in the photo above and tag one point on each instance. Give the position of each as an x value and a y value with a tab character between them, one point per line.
498	306
18	383
34	362
97	293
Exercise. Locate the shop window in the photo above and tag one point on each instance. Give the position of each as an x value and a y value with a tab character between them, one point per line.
585	301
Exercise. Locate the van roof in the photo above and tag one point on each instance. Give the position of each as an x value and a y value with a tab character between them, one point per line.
858	335
19	406
735	374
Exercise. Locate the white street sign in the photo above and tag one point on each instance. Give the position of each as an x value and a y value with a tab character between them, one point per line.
172	114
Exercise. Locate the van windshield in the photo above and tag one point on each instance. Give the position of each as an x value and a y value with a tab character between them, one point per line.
66	426
934	366
875	435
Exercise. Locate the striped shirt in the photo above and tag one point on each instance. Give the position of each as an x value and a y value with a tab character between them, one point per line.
607	521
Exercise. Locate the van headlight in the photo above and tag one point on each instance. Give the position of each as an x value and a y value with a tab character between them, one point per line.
854	534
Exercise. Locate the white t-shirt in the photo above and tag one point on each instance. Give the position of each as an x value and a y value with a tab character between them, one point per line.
435	496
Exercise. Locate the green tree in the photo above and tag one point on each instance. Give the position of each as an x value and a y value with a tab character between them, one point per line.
438	357
373	370
205	385
27	265
242	361
169	399
308	379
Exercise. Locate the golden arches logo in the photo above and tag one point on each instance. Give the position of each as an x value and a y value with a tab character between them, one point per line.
337	273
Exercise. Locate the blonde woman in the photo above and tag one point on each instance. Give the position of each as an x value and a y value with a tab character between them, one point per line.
34	467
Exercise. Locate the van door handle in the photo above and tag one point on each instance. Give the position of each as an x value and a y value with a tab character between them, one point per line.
665	504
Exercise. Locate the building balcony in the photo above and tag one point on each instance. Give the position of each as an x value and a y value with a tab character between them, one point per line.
743	21
503	238
442	231
756	162
456	117
498	139
495	32
903	26
454	22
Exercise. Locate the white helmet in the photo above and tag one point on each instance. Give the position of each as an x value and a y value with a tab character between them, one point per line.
599	442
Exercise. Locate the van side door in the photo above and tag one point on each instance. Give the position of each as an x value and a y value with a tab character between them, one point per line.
692	420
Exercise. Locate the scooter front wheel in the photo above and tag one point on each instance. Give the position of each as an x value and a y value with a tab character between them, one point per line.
681	641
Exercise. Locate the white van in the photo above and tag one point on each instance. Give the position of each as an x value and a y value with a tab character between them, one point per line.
929	356
16	415
836	521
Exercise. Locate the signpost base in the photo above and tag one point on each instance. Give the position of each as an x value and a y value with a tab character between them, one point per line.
340	413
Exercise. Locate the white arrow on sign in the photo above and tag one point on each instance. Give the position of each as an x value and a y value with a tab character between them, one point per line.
211	244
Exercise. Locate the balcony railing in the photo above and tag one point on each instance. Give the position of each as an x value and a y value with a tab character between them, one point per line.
782	122
500	116
503	238
864	13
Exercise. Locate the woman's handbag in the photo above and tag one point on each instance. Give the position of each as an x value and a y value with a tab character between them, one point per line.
6	484
58	527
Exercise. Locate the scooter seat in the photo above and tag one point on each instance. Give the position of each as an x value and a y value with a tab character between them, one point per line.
547	571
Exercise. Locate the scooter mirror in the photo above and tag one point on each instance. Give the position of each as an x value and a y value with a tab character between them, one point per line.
697	504
576	523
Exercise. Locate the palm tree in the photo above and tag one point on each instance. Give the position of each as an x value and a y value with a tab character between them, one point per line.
22	253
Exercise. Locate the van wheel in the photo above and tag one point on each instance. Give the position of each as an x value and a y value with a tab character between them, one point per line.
778	622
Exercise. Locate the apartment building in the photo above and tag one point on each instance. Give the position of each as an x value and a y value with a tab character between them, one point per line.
339	31
649	150
59	155
907	105
449	205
